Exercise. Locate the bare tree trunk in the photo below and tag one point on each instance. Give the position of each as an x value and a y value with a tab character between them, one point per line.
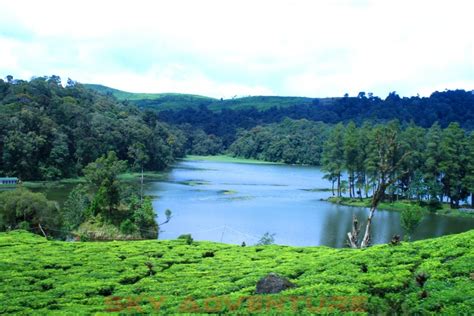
353	185
366	240
41	228
366	189
141	187
353	236
377	197
339	185
350	186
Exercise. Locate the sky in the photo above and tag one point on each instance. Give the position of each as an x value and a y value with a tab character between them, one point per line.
227	48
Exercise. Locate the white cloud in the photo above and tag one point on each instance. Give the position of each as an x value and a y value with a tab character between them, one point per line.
226	48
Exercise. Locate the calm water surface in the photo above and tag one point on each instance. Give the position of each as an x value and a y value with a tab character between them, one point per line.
235	202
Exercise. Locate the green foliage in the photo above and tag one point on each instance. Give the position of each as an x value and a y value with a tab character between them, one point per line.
410	218
127	227
102	176
332	161
22	209
86	278
76	208
144	218
50	132
114	212
187	238
292	142
105	168
266	239
137	152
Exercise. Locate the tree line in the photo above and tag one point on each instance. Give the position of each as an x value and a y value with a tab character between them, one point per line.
49	131
442	107
102	208
439	165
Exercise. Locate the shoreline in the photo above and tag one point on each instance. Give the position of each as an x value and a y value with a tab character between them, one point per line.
398	206
226	158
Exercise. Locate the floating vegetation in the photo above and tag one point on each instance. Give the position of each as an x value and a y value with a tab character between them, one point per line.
318	190
257	184
239	198
194	182
227	192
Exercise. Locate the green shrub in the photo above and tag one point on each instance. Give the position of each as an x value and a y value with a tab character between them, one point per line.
127	227
38	276
187	237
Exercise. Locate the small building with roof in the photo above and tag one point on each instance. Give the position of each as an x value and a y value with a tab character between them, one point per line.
9	181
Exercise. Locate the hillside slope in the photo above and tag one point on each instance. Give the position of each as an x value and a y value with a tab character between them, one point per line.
40	276
177	101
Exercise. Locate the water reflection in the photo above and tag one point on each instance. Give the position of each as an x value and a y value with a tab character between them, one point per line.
233	203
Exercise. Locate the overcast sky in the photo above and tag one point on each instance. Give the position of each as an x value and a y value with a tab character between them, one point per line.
225	48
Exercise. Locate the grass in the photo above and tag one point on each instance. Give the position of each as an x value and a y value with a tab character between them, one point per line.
128	176
148	175
398	206
225	158
38	276
131	96
176	101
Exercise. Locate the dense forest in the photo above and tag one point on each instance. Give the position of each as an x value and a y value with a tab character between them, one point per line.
48	131
51	131
442	107
439	163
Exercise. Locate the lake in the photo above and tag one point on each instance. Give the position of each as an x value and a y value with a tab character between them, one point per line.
238	202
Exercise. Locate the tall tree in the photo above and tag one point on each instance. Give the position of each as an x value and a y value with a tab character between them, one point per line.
102	177
469	178
333	162
432	159
453	163
389	160
351	153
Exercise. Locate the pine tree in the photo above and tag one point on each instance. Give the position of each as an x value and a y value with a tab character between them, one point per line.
333	155
351	152
432	159
453	163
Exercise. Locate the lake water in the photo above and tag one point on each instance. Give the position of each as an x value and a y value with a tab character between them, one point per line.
237	202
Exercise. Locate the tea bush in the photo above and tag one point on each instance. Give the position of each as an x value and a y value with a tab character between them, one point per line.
39	276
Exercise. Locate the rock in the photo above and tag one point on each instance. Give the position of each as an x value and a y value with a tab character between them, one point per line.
273	283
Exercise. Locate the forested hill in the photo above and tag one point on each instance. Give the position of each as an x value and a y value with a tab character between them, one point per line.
48	131
51	131
177	101
442	107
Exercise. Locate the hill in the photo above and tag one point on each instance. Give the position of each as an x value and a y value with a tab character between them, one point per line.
442	107
177	101
38	276
49	132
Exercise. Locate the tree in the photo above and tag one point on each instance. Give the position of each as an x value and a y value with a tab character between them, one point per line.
333	155
137	152
388	160
144	217
75	209
469	178
410	218
27	210
266	239
432	159
453	163
351	153
102	178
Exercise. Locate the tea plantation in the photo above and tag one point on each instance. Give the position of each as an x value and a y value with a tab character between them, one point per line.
38	276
